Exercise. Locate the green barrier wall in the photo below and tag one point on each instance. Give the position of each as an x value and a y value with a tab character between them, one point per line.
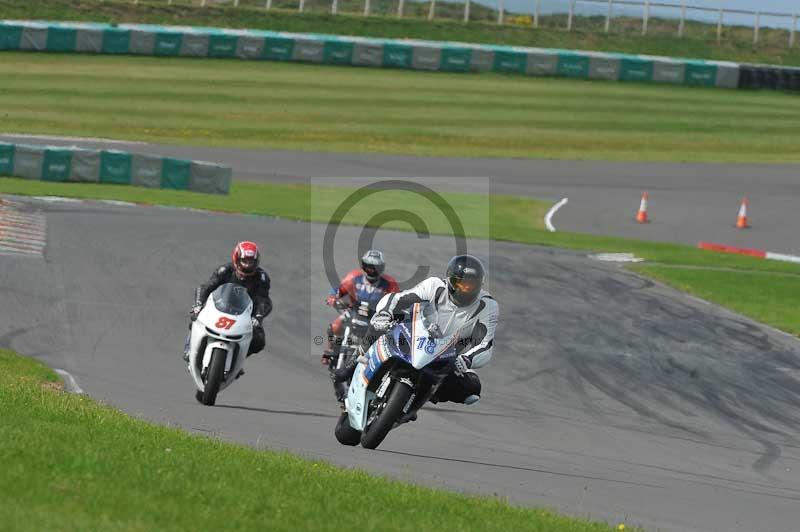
573	65
115	167
397	55
175	174
634	69
61	39
10	37
278	48
167	44
456	59
6	159
222	46
510	61
701	74
59	164
116	41
143	39
338	53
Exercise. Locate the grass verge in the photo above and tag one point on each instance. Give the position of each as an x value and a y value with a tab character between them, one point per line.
72	463
699	39
327	108
754	287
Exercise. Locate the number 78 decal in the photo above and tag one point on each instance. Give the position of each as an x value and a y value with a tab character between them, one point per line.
431	344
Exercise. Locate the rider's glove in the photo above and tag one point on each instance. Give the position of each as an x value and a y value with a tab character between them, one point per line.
331	300
462	365
381	321
255	321
195	311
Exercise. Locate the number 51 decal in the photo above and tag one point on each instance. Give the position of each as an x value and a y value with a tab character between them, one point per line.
224	323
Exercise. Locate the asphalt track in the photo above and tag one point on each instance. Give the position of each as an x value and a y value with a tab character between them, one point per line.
688	202
609	396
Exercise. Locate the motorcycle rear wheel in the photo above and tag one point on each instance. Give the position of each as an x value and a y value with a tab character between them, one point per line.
216	372
375	433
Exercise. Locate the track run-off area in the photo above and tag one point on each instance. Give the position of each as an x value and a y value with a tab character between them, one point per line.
609	396
689	202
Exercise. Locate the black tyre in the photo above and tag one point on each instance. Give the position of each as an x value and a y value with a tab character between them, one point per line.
216	372
199	396
345	434
375	433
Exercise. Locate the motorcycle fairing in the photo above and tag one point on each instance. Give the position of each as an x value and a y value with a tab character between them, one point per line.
423	350
238	331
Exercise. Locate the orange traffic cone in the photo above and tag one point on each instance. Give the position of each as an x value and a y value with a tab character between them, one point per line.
641	216
741	221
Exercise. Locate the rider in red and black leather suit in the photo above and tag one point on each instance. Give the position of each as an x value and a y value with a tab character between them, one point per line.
243	270
367	284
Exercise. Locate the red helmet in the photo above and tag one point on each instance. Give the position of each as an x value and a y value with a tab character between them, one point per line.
245	258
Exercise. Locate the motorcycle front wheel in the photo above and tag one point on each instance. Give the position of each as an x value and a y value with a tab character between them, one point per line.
376	431
216	373
346	434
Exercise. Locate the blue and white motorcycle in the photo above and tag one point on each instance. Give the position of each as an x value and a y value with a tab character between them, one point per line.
396	377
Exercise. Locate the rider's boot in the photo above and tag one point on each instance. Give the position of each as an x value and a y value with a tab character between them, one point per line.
472	399
406	418
345	373
340	389
332	350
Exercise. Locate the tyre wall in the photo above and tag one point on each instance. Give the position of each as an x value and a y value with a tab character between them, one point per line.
78	165
180	41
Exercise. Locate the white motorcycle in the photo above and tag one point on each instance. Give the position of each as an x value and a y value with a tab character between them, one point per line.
396	377
219	341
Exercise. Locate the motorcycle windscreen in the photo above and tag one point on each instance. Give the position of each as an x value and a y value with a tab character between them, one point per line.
426	348
231	299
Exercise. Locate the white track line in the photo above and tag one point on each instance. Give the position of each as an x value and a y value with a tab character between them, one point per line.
57	199
70	383
118	203
783	257
549	216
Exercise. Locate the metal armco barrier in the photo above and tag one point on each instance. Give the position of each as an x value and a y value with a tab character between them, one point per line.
180	41
78	165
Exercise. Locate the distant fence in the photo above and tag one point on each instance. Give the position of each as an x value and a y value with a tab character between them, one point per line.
682	12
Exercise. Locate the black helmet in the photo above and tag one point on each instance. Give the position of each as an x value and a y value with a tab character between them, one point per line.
464	279
373	265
